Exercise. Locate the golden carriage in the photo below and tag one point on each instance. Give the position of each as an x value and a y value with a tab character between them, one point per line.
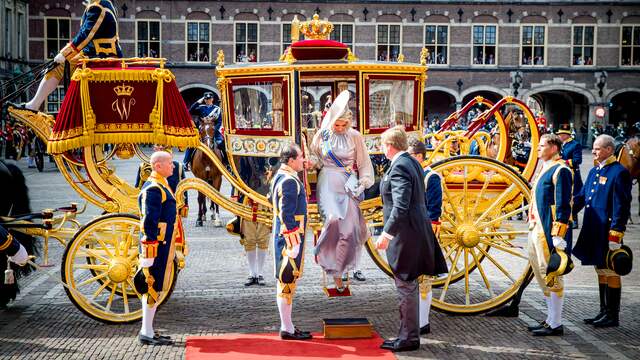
266	106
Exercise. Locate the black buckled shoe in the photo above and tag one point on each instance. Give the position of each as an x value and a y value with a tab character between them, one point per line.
548	331
401	345
424	330
158	335
251	281
539	326
358	275
260	280
296	335
145	340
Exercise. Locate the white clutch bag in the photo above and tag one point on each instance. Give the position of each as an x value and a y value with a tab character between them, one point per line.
352	187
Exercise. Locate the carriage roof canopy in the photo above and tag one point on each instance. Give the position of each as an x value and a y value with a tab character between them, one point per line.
122	101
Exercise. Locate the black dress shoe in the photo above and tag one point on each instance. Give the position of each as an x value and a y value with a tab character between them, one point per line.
590	321
157	335
260	280
298	331
388	344
425	329
540	325
145	340
401	345
358	275
251	281
609	320
300	335
548	331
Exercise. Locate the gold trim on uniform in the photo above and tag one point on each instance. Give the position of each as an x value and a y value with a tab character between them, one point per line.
7	242
559	229
615	236
150	250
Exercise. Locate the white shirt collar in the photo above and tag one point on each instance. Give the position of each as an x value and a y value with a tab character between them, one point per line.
396	156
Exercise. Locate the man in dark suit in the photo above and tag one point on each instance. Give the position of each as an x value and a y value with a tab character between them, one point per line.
407	235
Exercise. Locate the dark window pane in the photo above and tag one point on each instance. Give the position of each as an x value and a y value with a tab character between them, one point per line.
192	32
335	34
394	34
241	54
143	30
383	35
394	50
64	29
527	35
286	33
143	49
192	52
636	56
539	35
430	35
626	56
527	56
588	35
636	35
52	28
577	55
442	55
577	35
626	35
241	32
252	33
432	54
347	34
490	35
52	48
478	54
154	49
154	30
478	34
442	34
204	32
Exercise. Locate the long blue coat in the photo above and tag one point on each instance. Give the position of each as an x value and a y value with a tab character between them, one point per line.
572	153
606	199
98	34
158	211
433	194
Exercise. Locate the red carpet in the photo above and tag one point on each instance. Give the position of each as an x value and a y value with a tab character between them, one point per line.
269	346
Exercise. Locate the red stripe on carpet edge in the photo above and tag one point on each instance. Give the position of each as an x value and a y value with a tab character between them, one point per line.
268	346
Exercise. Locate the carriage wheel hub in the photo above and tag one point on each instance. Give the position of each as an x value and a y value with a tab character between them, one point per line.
119	269
467	236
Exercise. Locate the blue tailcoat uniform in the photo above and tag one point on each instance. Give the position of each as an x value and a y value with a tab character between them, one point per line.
144	170
158	217
572	153
606	198
9	246
98	34
552	196
433	194
213	112
289	201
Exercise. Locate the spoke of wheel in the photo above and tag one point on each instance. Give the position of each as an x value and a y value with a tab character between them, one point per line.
504	248
502	217
95	278
104	246
449	219
116	243
465	198
496	202
124	298
101	267
446	283
91	253
134	288
466	276
127	243
111	296
481	194
102	287
503	233
482	273
451	202
495	262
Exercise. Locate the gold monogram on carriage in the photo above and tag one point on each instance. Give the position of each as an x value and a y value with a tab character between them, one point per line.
123	103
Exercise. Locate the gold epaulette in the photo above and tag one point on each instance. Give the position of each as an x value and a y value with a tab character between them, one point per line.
615	236
7	242
559	229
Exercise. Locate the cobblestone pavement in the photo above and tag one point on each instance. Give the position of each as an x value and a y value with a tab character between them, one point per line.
210	299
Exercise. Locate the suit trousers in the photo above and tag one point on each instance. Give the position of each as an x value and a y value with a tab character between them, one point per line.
408	296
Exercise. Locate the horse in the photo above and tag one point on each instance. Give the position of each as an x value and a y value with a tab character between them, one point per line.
203	168
13	202
628	154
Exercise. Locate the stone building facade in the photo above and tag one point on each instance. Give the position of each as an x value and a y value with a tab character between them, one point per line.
13	40
567	58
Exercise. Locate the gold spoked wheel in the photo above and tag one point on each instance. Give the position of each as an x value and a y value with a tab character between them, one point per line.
99	264
483	238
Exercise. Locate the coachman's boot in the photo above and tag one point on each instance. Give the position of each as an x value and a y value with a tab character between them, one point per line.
603	305
611	319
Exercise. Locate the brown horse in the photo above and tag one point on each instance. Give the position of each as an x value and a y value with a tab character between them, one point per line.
203	168
629	156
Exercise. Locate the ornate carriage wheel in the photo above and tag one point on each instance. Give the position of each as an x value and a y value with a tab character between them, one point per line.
98	265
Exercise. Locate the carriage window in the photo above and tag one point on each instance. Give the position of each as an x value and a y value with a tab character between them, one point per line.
391	103
259	105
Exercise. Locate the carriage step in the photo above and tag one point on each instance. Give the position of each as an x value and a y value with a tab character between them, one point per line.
333	292
347	328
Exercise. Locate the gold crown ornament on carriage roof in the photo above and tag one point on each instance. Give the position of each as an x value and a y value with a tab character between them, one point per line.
316	29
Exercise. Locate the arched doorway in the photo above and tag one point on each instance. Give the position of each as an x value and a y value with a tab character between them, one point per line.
438	104
191	94
623	109
565	106
492	96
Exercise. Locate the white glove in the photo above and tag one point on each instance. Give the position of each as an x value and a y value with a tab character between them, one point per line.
559	243
293	252
20	257
201	100
60	59
146	262
614	245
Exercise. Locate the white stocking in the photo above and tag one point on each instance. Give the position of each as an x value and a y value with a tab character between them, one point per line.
148	313
262	255
425	306
285	315
251	259
556	314
45	88
547	300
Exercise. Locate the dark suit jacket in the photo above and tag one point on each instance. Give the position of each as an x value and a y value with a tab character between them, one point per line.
414	250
